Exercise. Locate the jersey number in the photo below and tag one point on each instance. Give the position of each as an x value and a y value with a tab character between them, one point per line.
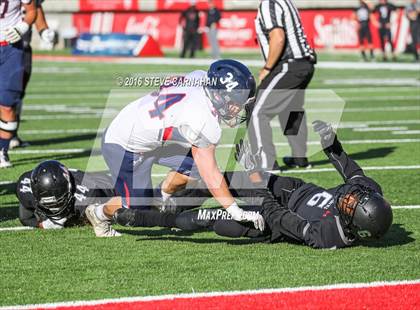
320	200
4	5
164	102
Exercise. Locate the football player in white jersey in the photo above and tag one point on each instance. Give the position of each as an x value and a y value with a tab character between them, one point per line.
177	127
12	27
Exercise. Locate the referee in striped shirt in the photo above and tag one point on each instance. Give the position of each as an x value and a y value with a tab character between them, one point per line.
289	67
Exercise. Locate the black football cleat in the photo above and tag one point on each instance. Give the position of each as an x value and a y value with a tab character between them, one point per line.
296	162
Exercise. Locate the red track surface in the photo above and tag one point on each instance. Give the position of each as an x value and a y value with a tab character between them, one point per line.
404	296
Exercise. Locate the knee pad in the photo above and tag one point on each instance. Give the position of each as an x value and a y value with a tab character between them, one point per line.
8	126
125	217
190	221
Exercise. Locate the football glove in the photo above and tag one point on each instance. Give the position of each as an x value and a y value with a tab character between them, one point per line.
245	158
239	215
47	35
14	34
325	131
53	224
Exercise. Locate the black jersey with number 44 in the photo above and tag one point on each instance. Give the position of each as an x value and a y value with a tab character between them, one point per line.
91	188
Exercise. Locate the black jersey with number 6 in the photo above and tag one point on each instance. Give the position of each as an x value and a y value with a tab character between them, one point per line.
91	188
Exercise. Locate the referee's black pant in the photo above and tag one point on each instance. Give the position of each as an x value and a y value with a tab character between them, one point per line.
281	94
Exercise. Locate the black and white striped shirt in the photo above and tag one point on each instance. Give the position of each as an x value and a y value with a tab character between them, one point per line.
282	14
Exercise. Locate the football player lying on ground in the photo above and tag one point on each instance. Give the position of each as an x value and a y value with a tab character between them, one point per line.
52	196
177	127
293	209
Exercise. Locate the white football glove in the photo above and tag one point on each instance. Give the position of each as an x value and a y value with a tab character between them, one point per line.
47	35
14	34
240	215
56	224
245	158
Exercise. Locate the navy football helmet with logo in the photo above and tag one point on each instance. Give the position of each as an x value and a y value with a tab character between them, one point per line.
53	188
231	88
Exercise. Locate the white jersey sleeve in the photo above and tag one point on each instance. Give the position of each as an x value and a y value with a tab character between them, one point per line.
10	14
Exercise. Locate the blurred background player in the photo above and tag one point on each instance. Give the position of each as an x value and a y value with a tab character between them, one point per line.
363	15
47	36
13	25
412	11
288	70
190	20
385	9
213	18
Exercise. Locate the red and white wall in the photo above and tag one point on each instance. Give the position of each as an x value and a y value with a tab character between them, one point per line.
332	29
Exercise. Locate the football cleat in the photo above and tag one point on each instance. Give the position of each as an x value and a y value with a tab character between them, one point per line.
17	142
4	160
101	228
297	162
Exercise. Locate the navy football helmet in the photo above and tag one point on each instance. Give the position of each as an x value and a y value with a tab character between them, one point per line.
53	188
231	87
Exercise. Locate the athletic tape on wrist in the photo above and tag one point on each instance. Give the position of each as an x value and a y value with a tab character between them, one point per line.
8	126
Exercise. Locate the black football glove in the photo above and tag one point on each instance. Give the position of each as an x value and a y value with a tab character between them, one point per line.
244	156
326	132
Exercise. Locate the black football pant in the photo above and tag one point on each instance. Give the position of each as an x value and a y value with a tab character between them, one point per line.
385	35
281	94
414	29
190	44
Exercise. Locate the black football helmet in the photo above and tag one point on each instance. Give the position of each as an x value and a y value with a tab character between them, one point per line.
364	213
53	189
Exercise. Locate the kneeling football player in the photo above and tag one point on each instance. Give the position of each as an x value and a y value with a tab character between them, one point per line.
177	127
53	197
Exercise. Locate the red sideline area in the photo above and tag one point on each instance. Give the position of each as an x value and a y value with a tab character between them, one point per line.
402	296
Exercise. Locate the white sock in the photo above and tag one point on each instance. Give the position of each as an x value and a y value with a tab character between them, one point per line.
165	196
99	211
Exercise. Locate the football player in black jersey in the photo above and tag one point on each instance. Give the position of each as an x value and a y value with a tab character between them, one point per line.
293	209
385	9
53	197
363	15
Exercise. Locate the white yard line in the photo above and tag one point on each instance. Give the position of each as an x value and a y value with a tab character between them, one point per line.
60	131
374	81
249	62
49	151
365	110
74	151
406	132
372	129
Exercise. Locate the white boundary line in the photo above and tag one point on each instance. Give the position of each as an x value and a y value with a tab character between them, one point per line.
214	294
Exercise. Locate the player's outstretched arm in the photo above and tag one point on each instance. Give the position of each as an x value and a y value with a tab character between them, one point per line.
47	34
207	166
346	166
27	217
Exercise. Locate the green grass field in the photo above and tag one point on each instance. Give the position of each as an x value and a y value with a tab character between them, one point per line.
63	111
